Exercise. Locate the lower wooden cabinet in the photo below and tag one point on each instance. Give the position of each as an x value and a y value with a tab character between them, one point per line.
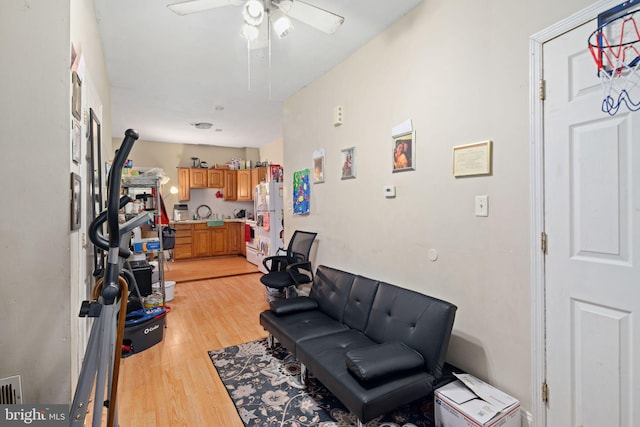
200	241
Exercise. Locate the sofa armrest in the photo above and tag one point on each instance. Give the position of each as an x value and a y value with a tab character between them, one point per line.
293	305
378	361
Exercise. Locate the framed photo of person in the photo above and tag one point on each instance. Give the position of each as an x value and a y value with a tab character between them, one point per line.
76	186
348	163
404	152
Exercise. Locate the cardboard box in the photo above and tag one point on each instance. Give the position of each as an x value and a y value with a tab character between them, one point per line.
470	402
147	245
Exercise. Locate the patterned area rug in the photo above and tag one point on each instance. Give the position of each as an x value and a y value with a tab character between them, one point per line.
264	386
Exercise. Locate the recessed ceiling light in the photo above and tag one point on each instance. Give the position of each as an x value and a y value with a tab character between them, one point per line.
219	107
202	125
218	130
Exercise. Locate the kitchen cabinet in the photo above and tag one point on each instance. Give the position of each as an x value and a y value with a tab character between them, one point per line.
183	184
230	185
234	238
215	178
218	239
244	191
183	248
198	178
198	240
257	176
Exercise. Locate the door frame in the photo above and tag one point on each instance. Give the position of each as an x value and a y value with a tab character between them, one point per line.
536	168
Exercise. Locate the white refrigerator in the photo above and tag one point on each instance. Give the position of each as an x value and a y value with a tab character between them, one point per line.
269	227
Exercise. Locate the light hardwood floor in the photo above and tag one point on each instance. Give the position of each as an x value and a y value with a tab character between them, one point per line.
174	382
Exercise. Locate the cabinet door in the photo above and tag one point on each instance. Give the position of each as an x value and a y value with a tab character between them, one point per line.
257	176
198	178
183	184
215	178
245	191
201	245
230	185
218	236
233	237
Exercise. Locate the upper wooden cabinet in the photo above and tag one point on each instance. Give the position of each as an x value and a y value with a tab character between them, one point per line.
257	176
215	178
230	185
183	184
198	178
245	191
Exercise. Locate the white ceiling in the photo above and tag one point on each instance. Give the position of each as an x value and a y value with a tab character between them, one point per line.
168	71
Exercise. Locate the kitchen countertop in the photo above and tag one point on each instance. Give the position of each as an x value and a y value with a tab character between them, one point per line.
201	221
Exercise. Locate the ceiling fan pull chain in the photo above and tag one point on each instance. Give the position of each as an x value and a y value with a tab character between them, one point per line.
269	42
248	67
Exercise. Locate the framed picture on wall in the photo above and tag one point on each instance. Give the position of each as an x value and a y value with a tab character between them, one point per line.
318	169
348	162
75	141
76	186
404	152
76	99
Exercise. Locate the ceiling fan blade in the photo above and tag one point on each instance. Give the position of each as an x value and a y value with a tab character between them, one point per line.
192	6
313	16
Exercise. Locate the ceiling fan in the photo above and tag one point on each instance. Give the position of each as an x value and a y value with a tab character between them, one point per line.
277	13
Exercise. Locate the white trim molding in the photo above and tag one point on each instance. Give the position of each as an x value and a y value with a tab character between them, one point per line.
537	418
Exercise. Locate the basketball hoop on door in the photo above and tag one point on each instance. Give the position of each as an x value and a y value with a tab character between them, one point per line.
615	48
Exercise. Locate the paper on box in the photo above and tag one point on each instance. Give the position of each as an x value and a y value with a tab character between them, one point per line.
472	402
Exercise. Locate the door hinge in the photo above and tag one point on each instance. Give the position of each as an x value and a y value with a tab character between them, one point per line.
542	89
543	242
545	392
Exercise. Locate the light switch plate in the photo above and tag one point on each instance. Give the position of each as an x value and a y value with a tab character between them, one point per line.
482	206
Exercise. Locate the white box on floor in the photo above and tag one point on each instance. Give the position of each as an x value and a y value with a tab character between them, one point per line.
470	402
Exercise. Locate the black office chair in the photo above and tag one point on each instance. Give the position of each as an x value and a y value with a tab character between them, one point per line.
287	272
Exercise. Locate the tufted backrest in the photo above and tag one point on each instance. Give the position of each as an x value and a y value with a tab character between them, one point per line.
422	322
331	288
356	312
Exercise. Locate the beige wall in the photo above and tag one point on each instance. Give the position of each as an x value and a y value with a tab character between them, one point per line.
459	71
273	152
40	275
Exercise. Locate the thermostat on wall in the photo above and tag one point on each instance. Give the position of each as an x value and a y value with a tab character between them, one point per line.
389	191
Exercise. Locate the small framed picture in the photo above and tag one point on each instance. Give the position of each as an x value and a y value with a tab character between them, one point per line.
348	163
76	184
76	99
472	159
318	170
404	152
75	141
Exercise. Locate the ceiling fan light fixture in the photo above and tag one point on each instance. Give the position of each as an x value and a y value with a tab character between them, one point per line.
250	32
281	23
253	12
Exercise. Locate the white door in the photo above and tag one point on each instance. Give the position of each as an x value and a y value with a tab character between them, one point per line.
592	266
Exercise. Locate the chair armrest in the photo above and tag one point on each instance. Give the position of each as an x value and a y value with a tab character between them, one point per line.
301	272
274	262
293	305
371	363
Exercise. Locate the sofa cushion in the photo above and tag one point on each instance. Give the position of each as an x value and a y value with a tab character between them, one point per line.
422	322
356	312
282	307
294	327
378	361
331	289
325	358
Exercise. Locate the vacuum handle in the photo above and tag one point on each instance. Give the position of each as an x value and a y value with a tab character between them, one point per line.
115	174
95	228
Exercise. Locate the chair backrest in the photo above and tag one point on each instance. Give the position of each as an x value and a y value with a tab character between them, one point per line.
300	246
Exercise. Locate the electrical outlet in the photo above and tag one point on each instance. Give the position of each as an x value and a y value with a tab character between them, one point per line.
482	205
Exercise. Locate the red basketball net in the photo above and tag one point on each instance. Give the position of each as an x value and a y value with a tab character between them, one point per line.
615	47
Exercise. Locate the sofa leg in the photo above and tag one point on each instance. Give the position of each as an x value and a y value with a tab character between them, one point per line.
270	341
303	374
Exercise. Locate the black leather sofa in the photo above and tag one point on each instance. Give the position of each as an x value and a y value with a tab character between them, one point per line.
374	345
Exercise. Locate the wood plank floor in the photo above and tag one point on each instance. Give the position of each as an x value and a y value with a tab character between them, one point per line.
174	383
